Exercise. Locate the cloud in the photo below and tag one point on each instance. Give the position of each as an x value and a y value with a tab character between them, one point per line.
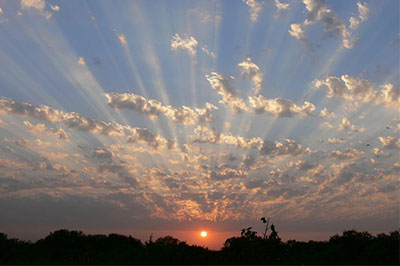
348	154
281	6
363	11
326	114
81	61
390	142
222	85
297	31
227	173
319	12
122	38
255	9
346	125
44	129
186	43
143	135
265	147
279	107
335	140
55	8
353	89
251	71
208	52
71	120
37	5
153	108
102	154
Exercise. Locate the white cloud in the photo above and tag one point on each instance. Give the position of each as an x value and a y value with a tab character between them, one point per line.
279	107
348	154
363	11
44	129
326	114
122	38
222	85
208	52
81	61
346	125
281	6
358	89
153	108
319	12
255	9
390	142
37	5
251	71
297	31
186	43
71	120
335	140
55	8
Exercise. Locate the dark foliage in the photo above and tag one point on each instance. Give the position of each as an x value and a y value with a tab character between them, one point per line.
74	247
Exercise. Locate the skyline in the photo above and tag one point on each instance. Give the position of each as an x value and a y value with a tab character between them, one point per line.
183	116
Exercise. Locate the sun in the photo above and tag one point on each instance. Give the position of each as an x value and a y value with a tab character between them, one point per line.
203	233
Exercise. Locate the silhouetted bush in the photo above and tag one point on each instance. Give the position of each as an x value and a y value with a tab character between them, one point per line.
64	247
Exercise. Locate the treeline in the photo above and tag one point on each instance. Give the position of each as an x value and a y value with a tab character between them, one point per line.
75	247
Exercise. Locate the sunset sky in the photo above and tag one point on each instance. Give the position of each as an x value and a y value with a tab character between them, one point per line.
173	117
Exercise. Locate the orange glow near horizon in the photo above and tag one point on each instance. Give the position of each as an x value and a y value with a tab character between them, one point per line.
203	234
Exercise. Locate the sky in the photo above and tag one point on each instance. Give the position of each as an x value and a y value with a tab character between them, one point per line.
173	117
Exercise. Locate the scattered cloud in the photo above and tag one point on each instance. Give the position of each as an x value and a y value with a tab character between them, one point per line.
359	89
36	5
255	9
251	71
122	38
230	96
208	52
363	11
319	12
390	142
188	43
153	108
279	107
281	6
44	129
346	125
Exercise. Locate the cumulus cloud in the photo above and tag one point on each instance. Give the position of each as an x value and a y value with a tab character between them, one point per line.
71	120
297	31
354	88
122	38
44	129
319	12
255	9
37	5
223	86
153	108
188	43
208	52
102	153
251	71
81	61
279	107
363	11
348	154
281	6
326	114
335	140
346	125
143	135
390	142
265	147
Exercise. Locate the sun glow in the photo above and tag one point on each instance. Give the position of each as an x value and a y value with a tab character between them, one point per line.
203	233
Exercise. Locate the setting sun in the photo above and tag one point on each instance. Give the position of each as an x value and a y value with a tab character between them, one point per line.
203	233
